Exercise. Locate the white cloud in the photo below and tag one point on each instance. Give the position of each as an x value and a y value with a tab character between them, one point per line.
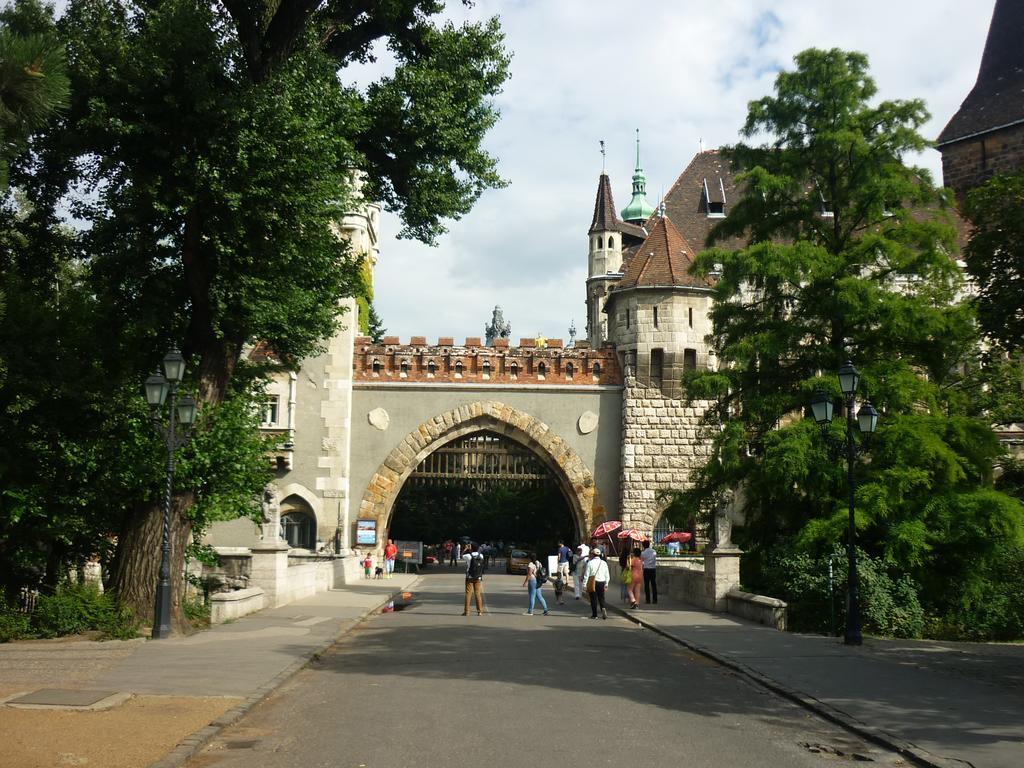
679	71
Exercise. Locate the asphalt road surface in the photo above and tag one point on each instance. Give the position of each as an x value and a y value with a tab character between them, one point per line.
426	686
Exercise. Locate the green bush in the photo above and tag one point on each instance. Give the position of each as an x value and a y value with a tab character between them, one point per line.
196	610
14	625
889	602
990	606
79	608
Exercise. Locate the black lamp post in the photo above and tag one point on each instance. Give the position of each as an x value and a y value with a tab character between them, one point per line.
866	422
181	411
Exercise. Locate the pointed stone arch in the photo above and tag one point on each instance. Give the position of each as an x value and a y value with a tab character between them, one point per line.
573	476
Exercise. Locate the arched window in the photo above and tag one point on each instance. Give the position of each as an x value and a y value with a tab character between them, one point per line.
569	370
458	369
405	368
541	370
431	368
299	530
514	370
596	371
376	367
611	242
487	369
600	242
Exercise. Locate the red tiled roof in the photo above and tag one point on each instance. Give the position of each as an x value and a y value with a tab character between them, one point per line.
664	259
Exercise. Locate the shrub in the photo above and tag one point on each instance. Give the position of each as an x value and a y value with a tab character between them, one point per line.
78	608
14	625
990	606
889	602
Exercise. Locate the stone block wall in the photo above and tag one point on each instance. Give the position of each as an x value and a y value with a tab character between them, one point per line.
970	162
663	443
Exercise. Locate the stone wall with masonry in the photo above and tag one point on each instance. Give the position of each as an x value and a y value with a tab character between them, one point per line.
663	443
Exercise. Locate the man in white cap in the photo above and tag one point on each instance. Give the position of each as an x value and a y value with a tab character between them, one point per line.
581	561
597	569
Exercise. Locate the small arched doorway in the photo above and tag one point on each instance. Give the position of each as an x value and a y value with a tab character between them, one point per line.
298	523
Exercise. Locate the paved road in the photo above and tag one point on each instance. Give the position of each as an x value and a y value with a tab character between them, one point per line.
427	686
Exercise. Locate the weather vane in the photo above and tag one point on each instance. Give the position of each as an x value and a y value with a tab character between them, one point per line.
602	155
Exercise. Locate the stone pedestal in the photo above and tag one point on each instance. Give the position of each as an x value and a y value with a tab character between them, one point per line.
270	571
721	573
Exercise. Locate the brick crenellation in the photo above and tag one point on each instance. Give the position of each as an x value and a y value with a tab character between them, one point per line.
473	363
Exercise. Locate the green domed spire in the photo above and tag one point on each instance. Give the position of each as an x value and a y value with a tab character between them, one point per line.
638	210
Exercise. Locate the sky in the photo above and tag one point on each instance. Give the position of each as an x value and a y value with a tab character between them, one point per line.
681	72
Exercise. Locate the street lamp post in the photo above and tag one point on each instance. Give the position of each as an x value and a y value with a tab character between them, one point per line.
181	411
866	422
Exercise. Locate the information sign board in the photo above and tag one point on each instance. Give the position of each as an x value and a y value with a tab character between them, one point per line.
366	532
410	551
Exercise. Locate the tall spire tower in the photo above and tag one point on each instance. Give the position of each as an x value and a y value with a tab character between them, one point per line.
638	210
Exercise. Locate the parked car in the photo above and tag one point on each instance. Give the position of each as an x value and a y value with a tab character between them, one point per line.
518	559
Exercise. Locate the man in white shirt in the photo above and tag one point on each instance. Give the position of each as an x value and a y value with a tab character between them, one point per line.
650	560
598	568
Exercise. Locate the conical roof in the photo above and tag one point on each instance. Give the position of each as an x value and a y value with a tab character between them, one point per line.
604	219
997	99
664	259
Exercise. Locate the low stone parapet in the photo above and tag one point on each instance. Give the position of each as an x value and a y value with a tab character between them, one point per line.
227	606
769	611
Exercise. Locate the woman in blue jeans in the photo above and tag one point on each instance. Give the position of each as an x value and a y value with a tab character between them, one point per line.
530	582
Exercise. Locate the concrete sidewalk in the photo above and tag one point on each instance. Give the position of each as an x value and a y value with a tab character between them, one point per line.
938	703
185	689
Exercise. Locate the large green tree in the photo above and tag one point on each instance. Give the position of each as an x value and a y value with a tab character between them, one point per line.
849	256
209	148
995	257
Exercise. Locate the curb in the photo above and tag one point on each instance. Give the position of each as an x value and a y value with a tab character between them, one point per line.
914	754
195	741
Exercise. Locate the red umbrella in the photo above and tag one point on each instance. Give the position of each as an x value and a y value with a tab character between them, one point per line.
632	533
605	528
681	536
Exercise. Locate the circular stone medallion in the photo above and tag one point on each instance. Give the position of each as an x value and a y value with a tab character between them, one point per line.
379	418
587	422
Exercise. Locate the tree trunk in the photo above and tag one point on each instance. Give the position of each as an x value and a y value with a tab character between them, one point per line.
136	568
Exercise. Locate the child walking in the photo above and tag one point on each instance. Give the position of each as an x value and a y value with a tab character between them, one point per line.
367	565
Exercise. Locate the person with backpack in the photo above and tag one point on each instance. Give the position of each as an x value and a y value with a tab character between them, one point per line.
536	575
475	566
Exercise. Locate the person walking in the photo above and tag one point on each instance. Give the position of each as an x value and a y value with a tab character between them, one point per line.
650	571
581	565
597	569
564	554
636	572
532	587
475	564
390	553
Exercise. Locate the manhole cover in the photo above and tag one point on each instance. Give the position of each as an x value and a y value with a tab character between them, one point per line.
58	697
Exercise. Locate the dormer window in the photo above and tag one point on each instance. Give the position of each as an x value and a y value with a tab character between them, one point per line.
714	198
